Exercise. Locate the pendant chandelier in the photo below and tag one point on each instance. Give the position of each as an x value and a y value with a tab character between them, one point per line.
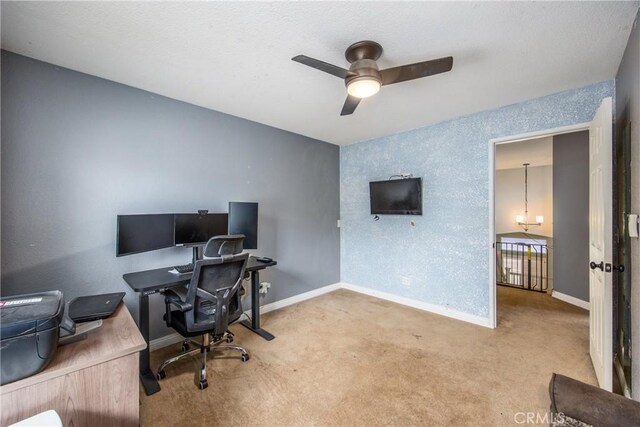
523	220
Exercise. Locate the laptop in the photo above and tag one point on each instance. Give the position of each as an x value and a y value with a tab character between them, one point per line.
94	307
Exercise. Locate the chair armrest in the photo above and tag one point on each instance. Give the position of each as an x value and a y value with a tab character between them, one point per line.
172	298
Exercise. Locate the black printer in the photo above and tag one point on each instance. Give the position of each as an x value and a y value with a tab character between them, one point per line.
30	326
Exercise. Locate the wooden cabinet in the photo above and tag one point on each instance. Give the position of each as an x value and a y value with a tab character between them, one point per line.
90	382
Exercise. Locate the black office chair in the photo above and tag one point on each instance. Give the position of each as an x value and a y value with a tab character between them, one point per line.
209	303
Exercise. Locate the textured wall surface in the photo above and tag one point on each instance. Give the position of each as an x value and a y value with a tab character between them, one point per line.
78	150
445	256
571	214
628	110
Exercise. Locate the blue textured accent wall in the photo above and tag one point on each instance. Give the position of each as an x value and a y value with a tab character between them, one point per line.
445	255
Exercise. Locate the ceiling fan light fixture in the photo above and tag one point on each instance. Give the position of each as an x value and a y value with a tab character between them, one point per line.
364	78
363	87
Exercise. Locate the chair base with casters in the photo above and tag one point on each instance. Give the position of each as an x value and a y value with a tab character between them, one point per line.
208	344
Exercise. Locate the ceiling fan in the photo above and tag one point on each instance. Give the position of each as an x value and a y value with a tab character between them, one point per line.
363	78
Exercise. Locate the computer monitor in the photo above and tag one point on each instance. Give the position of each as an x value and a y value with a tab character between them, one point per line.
142	233
243	219
197	229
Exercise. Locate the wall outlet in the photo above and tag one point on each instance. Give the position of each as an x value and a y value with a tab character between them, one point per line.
338	223
405	281
264	287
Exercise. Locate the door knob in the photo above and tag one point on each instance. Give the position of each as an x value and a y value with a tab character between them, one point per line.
619	268
593	265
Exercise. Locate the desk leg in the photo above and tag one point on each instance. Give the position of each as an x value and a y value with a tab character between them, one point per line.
255	309
147	376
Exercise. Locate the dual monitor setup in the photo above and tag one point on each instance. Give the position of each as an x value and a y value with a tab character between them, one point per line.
148	232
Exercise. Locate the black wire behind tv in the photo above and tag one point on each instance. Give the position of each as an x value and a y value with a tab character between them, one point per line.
142	233
396	197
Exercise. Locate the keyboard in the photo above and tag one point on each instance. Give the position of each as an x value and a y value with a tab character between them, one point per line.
186	268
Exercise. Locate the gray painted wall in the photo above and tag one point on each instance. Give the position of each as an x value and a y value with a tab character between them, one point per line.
77	150
571	214
628	106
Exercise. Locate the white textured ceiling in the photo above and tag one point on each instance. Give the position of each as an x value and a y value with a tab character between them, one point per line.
235	57
536	152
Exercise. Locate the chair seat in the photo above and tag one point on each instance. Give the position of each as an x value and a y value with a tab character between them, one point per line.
179	323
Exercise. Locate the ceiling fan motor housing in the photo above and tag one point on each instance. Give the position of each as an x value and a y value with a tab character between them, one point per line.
363	69
365	49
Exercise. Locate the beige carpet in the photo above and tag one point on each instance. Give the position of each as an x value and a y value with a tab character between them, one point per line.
350	359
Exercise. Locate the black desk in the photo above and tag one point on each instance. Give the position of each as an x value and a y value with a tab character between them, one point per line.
158	280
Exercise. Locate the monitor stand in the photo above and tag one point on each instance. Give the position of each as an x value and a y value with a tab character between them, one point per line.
195	255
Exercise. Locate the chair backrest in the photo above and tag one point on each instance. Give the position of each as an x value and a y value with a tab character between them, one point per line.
213	292
218	246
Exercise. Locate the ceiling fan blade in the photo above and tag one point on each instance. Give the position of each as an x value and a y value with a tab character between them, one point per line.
350	105
322	66
416	71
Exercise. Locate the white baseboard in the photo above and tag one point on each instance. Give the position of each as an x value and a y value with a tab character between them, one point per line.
176	337
165	341
299	298
432	308
571	300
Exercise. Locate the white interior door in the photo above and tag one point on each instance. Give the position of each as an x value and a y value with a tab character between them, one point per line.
600	242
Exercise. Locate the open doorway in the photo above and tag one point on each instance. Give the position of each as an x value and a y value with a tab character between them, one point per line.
524	214
598	184
510	216
541	194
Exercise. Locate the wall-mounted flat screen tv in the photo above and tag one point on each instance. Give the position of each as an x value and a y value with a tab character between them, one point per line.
396	197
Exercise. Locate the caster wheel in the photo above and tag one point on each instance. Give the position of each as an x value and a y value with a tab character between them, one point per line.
161	375
244	357
229	339
185	347
203	384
